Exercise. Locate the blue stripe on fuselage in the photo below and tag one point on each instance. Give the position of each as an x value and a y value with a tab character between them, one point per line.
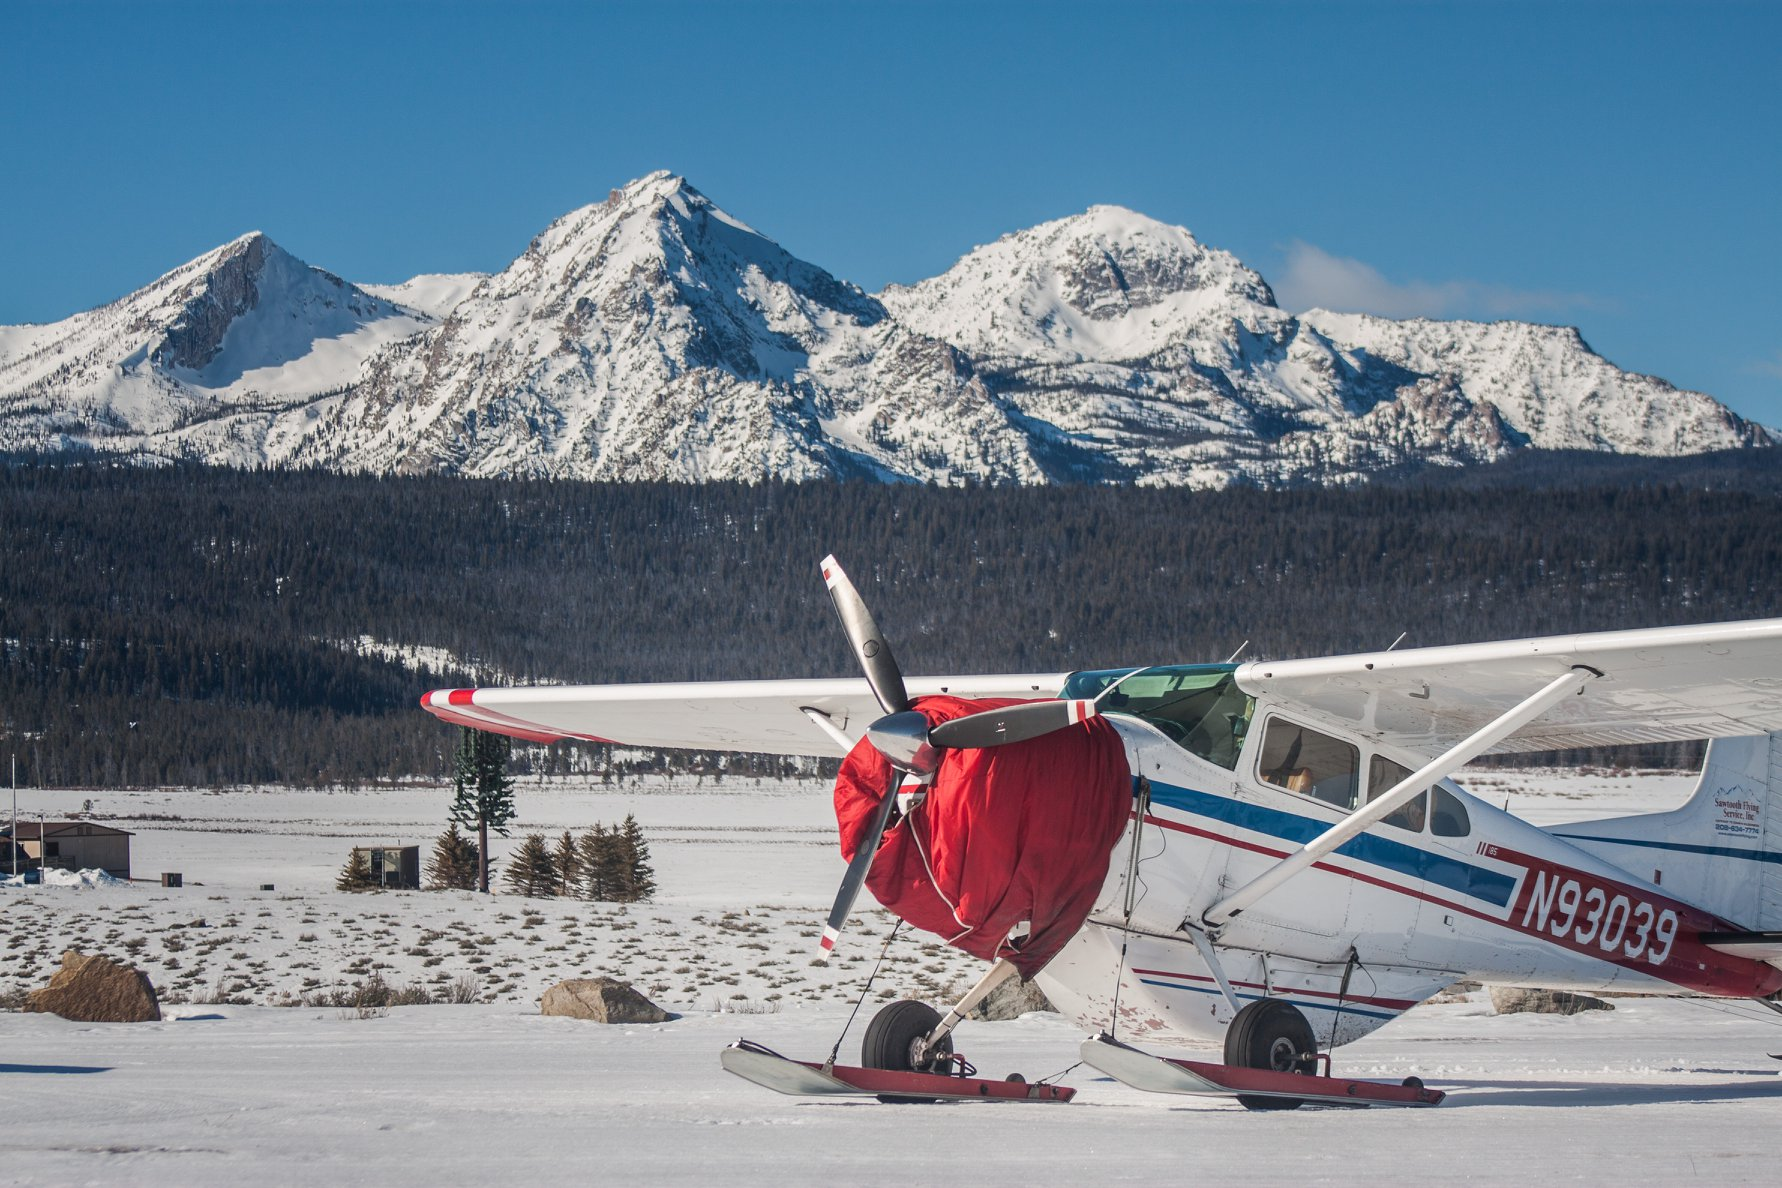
1397	857
1679	847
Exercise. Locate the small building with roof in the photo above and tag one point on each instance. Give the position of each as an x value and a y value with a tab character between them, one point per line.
71	845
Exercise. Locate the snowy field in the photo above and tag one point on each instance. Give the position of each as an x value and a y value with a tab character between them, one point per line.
247	1089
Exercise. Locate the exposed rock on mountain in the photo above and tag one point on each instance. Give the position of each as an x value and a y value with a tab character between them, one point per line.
196	363
1174	357
655	336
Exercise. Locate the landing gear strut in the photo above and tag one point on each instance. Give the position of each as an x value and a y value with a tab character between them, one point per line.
1271	1033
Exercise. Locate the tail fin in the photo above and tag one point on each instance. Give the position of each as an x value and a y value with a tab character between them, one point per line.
1722	850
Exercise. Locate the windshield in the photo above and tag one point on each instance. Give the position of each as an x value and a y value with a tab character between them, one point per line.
1197	705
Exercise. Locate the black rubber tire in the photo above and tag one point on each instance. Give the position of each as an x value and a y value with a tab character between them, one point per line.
1270	1033
890	1036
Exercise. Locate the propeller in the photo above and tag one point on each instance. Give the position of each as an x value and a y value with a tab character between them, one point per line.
869	645
1014	723
905	739
896	736
855	878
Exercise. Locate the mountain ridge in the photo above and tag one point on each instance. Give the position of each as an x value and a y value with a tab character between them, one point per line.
655	336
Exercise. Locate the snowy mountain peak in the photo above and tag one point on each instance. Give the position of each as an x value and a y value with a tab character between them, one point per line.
261	307
245	324
654	335
1109	283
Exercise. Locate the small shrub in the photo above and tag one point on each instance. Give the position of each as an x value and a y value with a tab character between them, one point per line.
464	989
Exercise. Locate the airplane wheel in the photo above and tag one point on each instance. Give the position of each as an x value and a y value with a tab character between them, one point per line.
892	1036
1270	1033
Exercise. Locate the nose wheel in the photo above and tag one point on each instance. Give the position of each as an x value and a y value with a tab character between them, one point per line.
895	1039
1274	1035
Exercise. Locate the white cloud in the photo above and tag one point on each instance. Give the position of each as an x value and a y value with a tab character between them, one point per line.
1771	366
1315	279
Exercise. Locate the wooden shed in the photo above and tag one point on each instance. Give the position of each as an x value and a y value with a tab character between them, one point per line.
393	866
76	845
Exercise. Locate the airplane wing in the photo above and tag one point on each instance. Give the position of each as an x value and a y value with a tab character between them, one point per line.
761	716
1657	685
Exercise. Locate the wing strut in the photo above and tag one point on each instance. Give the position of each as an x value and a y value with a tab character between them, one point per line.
1400	794
826	724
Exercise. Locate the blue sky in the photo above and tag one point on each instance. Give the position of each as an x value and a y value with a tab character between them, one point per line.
1610	165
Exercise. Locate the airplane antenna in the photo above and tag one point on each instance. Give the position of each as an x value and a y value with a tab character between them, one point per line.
1399	640
1239	652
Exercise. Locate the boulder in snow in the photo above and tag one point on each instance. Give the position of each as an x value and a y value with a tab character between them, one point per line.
1011	1000
1510	1000
94	989
603	1000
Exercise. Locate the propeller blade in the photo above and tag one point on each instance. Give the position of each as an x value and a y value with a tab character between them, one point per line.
855	878
870	647
1015	723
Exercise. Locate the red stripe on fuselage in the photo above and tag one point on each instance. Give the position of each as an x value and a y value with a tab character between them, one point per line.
1684	962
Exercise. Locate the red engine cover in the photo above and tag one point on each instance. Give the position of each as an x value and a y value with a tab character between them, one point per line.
1010	833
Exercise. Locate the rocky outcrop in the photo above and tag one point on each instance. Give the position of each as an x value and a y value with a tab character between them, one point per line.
600	1000
1010	1000
1510	1000
93	989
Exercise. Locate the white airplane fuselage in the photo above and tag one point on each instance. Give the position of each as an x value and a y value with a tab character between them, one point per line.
1389	918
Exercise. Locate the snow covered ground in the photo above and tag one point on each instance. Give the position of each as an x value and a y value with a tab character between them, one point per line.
746	871
226	1092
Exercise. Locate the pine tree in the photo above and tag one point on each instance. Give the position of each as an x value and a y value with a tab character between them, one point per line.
567	861
532	871
356	874
599	863
483	793
639	876
454	865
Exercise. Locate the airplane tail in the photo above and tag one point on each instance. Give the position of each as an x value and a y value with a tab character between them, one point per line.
1722	850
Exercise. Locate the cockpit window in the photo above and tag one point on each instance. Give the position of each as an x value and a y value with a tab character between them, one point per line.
1199	706
1447	818
1382	776
1309	762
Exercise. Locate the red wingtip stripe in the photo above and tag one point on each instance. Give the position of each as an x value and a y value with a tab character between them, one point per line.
461	697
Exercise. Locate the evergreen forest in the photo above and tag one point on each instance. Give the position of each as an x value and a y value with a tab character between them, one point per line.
184	625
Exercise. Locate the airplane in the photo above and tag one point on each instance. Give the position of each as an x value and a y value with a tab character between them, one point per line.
1271	856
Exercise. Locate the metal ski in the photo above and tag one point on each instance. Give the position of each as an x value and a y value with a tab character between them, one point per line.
1159	1074
804	1078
